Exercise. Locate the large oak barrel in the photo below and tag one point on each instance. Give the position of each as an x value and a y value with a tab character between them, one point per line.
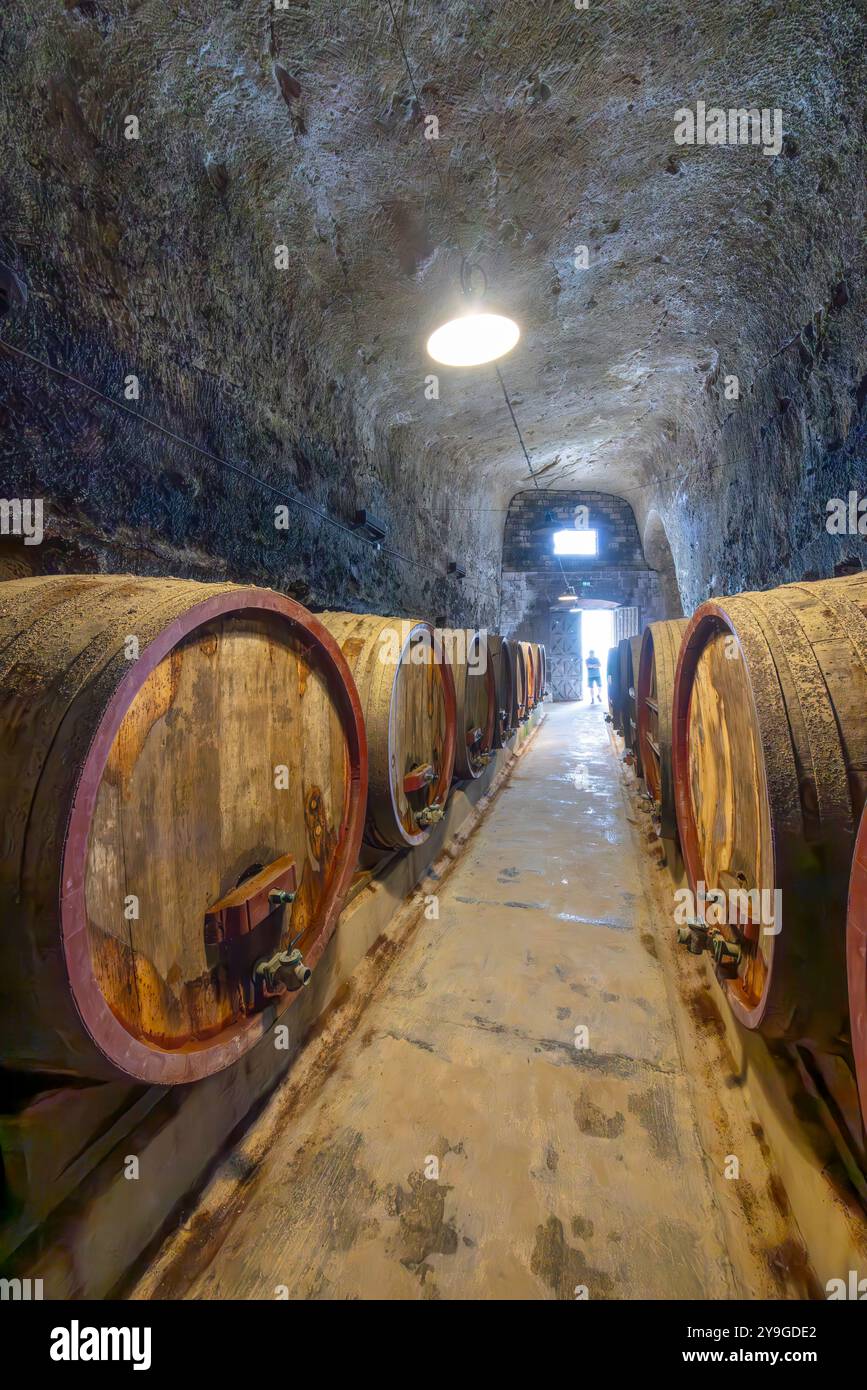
519	674
615	701
770	766
659	650
501	658
407	695
534	654
476	699
629	656
538	671
530	674
181	759
856	961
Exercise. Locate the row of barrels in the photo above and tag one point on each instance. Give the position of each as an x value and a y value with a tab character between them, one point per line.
190	771
749	723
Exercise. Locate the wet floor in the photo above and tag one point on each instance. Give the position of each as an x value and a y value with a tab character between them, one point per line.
512	1117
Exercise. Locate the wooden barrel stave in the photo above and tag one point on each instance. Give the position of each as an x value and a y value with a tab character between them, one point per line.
787	670
86	990
407	693
660	646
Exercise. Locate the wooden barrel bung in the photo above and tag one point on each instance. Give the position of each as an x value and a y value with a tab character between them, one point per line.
501	657
476	699
188	774
856	961
770	769
407	694
660	646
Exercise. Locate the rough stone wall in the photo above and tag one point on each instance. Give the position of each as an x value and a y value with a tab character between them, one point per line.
156	257
745	497
532	577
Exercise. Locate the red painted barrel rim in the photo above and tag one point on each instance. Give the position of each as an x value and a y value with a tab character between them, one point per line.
145	1061
856	961
709	618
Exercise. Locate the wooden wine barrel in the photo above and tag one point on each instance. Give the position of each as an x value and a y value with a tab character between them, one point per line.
476	699
530	674
538	671
770	769
630	660
543	662
856	961
615	702
176	754
659	649
519	673
407	695
501	658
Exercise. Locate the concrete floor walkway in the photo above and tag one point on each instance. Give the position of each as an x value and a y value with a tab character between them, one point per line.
469	1142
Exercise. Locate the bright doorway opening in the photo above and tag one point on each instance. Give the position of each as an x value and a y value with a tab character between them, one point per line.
597	635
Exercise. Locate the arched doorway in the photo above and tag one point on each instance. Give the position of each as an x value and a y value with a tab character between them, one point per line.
573	630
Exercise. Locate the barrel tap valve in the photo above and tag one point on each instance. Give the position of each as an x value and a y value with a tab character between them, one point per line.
693	936
726	953
284	970
697	936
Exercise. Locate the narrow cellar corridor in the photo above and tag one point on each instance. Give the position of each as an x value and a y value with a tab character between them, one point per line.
469	1140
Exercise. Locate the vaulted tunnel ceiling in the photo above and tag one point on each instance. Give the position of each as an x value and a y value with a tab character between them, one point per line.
556	130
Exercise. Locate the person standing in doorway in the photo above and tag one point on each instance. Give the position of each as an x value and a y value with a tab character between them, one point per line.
594	678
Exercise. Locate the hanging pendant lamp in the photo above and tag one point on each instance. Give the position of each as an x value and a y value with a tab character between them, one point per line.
472	336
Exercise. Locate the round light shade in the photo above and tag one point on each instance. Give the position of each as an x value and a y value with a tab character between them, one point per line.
472	339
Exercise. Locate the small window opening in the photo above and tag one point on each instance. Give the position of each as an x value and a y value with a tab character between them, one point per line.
575	542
